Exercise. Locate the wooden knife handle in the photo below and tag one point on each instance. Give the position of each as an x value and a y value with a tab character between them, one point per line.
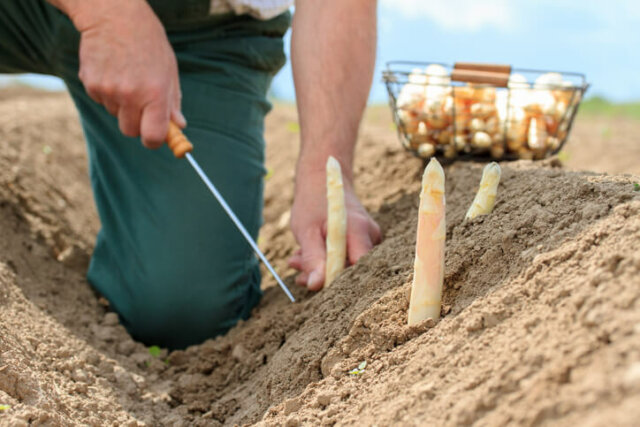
177	141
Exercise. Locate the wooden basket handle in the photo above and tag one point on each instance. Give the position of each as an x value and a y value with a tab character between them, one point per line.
477	66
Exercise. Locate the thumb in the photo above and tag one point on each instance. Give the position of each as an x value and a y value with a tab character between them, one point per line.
176	110
154	124
178	118
313	257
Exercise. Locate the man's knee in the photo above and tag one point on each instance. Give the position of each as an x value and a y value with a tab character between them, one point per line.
176	313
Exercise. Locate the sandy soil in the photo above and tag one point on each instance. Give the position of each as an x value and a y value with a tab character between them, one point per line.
542	298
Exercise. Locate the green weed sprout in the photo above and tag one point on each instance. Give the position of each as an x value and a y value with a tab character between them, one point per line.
269	174
563	156
155	351
293	127
359	370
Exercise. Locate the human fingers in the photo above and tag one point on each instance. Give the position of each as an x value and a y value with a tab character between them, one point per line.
295	261
313	256
176	108
129	120
302	279
359	239
374	232
154	123
179	119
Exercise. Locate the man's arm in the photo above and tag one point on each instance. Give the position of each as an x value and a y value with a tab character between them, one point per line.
333	55
127	65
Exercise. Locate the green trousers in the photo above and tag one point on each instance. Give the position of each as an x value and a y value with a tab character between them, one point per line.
167	258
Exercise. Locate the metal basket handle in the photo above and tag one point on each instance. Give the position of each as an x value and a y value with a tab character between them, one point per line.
492	74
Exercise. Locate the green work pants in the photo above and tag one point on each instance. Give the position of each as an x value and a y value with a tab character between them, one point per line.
170	262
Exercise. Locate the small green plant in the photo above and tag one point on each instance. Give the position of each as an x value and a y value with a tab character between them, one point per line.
599	106
359	370
269	174
155	351
5	407
636	186
563	156
293	127
46	149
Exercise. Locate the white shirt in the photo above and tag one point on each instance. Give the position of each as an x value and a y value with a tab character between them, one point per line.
260	9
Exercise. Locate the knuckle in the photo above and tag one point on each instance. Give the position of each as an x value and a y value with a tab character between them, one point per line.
107	89
156	89
91	86
127	92
85	74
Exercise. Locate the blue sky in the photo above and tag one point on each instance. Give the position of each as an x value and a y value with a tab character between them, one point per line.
597	38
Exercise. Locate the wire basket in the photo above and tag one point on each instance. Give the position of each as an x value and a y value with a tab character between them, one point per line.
480	111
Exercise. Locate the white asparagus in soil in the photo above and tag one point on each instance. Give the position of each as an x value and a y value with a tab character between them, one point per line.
336	222
486	197
428	270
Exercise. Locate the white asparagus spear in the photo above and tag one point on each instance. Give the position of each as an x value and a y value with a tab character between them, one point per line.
486	197
336	222
428	270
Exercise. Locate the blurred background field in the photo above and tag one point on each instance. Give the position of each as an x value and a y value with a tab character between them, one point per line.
599	106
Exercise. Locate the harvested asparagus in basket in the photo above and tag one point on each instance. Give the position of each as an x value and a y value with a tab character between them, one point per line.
336	222
428	270
483	110
486	197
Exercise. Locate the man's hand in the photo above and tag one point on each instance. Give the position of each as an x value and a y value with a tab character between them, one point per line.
128	65
333	47
309	225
